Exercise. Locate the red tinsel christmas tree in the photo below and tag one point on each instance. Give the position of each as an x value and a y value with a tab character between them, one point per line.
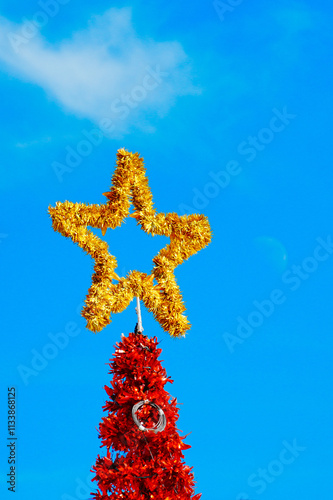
144	458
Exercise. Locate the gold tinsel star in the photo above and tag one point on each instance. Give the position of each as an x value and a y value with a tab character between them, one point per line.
188	234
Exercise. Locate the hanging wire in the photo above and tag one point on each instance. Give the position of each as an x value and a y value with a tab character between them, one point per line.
159	427
153	459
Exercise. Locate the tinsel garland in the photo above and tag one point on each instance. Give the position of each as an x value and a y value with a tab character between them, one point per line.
188	234
140	465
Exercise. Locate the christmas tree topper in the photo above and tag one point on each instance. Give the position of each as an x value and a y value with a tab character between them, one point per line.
110	293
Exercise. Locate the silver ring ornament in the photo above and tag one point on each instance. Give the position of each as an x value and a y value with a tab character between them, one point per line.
159	426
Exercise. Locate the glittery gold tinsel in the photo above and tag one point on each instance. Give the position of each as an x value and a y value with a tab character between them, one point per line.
109	293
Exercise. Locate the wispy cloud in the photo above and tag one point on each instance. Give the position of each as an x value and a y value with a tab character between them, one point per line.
103	71
36	142
293	25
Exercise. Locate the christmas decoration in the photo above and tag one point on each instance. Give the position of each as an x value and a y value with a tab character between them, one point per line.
144	452
144	458
110	293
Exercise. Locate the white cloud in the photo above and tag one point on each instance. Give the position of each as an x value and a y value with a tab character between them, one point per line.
104	71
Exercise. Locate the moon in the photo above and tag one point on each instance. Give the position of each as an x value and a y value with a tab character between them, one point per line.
273	251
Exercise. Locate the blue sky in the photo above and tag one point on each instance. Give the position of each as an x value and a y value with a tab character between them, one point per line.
230	105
